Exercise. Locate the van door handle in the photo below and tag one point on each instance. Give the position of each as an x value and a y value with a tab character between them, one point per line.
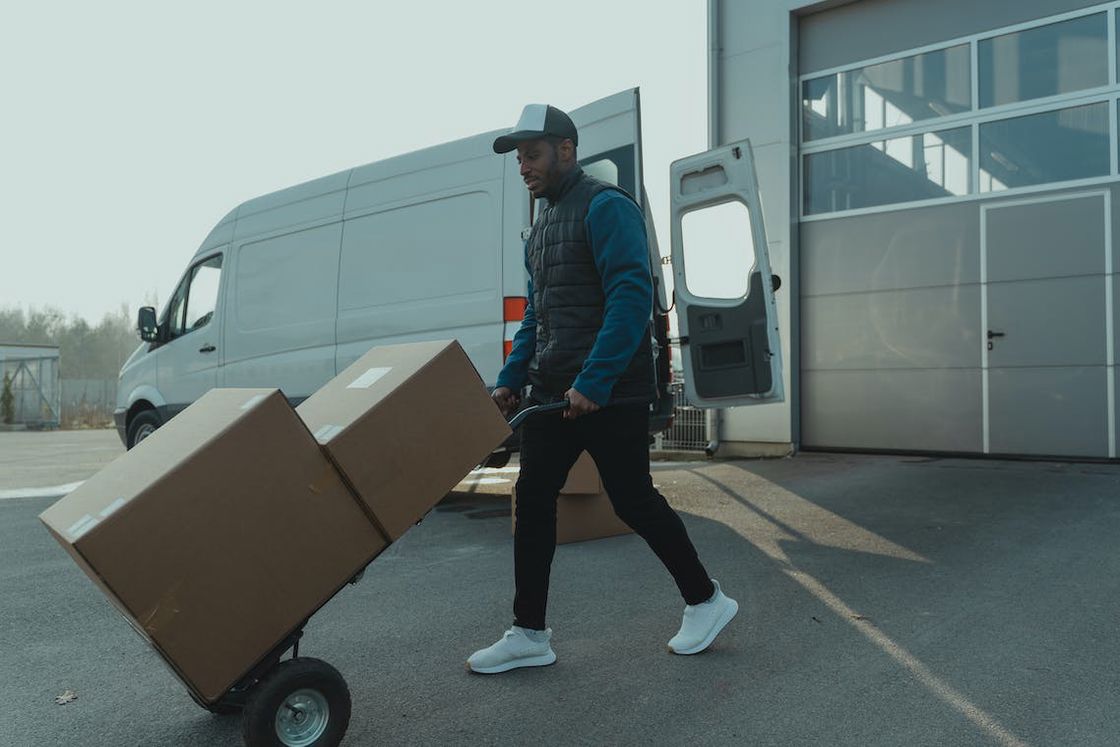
207	348
992	334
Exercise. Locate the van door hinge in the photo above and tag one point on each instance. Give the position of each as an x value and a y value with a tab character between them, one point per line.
667	260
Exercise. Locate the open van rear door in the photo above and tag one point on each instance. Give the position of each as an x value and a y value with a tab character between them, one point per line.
610	148
724	289
610	140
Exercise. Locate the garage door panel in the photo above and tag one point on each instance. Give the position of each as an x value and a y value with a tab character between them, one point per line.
918	328
1059	322
922	410
1115	280
890	251
1057	238
1048	411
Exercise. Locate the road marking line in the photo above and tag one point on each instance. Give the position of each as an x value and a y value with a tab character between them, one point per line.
768	535
55	491
922	673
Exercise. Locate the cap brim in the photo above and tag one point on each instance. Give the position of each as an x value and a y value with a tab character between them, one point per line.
506	143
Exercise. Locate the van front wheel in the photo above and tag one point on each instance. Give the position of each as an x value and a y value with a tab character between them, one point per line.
143	425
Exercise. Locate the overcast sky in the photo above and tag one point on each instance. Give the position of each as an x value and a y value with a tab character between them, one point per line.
131	128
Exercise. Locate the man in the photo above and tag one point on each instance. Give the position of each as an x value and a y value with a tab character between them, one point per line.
585	338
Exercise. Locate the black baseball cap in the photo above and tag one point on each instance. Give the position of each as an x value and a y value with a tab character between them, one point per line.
537	121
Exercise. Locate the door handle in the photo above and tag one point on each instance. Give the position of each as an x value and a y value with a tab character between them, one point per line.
992	334
207	348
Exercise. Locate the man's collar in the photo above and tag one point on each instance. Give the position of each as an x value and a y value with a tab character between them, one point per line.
565	185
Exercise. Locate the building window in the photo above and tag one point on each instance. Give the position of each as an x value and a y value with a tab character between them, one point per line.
1044	61
901	169
889	94
1048	147
1022	107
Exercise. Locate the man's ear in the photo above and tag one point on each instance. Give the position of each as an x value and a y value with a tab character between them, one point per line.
567	151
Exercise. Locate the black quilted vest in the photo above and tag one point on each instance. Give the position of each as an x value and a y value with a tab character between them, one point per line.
568	297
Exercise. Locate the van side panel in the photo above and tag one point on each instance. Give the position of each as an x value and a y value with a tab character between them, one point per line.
311	203
421	261
280	314
515	279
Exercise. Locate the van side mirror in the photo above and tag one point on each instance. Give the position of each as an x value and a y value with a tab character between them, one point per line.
147	325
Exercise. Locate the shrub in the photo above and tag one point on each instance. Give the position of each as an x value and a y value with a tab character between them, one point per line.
7	401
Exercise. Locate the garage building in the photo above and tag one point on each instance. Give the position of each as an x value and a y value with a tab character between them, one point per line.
938	182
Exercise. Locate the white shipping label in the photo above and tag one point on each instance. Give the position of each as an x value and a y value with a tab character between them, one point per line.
112	507
369	378
81	526
327	432
78	524
253	401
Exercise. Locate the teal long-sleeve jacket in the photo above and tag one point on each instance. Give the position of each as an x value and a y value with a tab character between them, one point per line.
617	234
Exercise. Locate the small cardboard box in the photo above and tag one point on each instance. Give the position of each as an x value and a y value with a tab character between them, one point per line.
583	478
219	534
583	510
404	424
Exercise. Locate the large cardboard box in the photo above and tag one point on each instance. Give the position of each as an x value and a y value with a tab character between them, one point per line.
583	509
404	424
219	534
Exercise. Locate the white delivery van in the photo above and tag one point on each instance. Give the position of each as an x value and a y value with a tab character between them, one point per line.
292	287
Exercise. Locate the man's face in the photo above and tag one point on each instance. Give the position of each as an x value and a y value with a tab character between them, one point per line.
540	166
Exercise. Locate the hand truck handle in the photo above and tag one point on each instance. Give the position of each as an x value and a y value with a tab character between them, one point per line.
529	412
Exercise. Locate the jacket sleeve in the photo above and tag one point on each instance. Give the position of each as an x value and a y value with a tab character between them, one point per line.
515	373
617	234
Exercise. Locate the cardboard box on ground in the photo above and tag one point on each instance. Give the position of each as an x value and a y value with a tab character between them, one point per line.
583	509
222	532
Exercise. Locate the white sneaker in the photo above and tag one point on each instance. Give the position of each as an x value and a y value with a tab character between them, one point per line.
703	622
514	649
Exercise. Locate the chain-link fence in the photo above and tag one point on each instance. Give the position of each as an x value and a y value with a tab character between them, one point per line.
31	373
689	431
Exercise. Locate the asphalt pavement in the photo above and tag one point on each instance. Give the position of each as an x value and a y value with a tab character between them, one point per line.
884	601
42	461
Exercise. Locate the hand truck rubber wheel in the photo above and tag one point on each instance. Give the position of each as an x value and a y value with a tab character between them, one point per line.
302	702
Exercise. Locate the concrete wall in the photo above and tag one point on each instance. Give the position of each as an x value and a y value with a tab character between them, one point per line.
753	92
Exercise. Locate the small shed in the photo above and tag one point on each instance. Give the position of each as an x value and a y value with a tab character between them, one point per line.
33	371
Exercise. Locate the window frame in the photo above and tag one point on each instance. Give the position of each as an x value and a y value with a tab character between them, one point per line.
1109	145
969	188
217	293
624	159
975	117
184	287
941	47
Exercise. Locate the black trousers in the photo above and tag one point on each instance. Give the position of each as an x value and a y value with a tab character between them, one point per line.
617	438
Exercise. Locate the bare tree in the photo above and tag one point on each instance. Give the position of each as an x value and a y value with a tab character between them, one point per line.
87	352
